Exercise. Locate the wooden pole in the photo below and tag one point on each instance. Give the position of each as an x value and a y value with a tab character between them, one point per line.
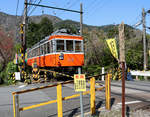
122	63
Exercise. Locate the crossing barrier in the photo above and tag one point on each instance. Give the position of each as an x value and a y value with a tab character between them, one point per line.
17	109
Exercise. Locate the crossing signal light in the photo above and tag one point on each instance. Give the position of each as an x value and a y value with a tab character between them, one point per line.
21	29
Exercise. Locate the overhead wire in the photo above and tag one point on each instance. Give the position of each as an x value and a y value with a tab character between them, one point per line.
29	7
34	8
17	7
93	8
89	8
73	4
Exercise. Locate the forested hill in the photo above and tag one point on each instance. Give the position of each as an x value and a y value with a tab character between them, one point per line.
96	51
10	23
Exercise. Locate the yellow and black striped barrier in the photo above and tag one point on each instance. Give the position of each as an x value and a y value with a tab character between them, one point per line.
54	72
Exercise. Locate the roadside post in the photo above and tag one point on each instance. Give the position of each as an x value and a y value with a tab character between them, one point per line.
16	105
80	86
92	94
59	100
108	91
122	63
103	71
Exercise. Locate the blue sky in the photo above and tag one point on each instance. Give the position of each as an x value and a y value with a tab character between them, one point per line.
96	12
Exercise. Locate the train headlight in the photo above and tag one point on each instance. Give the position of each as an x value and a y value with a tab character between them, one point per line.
61	56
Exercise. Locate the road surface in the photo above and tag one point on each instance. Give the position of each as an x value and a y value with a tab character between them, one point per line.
136	92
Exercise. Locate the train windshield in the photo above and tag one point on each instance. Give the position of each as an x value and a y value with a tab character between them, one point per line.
60	45
69	45
78	46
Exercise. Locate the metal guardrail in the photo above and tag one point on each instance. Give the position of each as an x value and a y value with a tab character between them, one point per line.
17	109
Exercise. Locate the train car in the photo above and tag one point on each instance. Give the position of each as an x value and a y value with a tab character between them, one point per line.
59	50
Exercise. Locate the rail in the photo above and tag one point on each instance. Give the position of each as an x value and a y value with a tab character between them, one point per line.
17	109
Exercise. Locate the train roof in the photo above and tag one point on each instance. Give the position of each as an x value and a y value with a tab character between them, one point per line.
63	32
57	32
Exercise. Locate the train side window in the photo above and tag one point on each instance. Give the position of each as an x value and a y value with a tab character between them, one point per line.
31	54
38	51
51	45
34	53
48	47
45	49
78	47
60	45
69	45
41	50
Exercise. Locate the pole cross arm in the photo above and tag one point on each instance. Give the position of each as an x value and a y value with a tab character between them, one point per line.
54	8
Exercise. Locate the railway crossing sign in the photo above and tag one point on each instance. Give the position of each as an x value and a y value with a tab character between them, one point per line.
79	82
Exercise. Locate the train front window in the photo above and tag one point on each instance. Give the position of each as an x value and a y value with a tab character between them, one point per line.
69	45
60	45
78	46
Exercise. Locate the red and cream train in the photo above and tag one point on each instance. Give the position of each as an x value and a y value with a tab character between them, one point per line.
59	50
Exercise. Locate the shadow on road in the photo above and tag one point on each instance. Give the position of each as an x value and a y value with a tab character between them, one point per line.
112	102
127	111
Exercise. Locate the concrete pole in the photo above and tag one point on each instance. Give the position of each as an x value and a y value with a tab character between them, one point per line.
81	20
81	97
103	71
24	35
144	42
79	68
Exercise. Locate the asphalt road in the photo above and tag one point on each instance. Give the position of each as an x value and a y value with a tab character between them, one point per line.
135	91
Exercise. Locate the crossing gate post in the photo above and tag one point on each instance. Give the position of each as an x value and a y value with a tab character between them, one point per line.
16	105
92	92
107	91
59	100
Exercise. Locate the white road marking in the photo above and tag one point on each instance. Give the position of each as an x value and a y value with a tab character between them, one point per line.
22	86
132	102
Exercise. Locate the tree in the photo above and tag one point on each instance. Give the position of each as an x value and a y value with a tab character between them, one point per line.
70	27
37	32
6	48
45	27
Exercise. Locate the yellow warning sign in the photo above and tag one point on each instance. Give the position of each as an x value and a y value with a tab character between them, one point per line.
113	47
79	82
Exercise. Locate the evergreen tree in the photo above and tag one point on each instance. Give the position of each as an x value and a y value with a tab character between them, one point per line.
37	32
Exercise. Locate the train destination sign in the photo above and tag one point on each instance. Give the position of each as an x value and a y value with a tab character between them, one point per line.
79	82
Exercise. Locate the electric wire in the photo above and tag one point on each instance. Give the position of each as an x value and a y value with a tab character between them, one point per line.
33	3
73	4
94	8
34	8
29	7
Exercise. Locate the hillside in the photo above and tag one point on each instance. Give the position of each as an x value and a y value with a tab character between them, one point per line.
96	51
11	23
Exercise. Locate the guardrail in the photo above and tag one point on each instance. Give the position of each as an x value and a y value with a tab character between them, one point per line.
17	109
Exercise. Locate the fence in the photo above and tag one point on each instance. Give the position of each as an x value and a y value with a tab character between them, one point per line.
17	109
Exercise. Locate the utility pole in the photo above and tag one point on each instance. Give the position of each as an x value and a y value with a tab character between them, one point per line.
81	19
24	34
79	68
144	40
122	63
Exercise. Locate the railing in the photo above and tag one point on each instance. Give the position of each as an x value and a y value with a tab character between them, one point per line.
17	109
